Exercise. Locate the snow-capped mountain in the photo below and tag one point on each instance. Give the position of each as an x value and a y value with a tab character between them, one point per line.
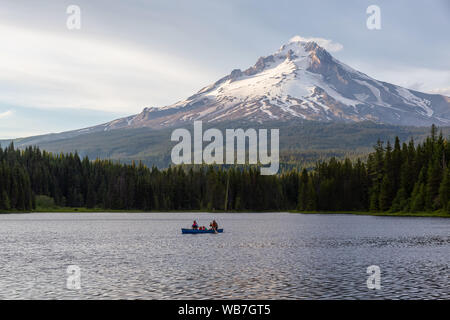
299	81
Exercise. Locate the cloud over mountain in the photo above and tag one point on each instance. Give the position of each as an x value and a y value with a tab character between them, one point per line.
327	44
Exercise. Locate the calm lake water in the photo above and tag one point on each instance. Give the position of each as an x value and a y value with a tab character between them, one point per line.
259	256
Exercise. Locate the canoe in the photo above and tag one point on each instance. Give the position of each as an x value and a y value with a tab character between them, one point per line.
199	231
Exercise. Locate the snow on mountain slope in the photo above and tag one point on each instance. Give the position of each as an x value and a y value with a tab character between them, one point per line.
299	81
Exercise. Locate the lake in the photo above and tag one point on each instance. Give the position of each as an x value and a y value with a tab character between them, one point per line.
259	256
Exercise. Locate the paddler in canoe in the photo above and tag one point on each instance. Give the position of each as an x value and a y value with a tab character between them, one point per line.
214	225
196	228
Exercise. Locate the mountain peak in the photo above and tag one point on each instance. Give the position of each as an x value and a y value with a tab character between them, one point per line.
300	81
296	44
297	48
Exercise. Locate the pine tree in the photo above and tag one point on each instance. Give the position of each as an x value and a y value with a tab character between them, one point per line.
418	195
311	203
385	194
432	186
4	201
444	191
303	191
400	202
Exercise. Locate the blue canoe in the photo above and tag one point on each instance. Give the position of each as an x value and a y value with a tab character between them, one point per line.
199	231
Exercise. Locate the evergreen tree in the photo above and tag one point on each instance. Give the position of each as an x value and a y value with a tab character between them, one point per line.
444	191
311	203
303	190
4	201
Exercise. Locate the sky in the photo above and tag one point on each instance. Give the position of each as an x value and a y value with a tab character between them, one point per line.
132	54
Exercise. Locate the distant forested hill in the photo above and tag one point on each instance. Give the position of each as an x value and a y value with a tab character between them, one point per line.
396	177
301	143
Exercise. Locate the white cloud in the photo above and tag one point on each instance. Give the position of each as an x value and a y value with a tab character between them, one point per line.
5	114
443	91
329	45
71	70
422	79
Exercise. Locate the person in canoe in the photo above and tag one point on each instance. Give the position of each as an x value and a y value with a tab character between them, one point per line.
214	225
195	225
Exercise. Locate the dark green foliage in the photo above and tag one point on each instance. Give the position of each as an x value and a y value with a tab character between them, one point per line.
403	178
45	202
302	143
444	191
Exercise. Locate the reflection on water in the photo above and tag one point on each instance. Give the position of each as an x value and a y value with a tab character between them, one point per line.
259	256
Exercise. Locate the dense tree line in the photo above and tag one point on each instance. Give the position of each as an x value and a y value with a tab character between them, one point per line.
404	177
410	178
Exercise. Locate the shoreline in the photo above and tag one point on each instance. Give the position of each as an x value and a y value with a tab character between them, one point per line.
380	214
364	213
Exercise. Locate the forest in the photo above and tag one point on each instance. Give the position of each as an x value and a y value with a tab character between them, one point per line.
398	177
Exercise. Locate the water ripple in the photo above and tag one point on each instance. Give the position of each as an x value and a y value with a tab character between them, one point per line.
259	256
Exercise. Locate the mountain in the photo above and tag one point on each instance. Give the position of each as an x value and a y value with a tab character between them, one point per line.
321	106
301	81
